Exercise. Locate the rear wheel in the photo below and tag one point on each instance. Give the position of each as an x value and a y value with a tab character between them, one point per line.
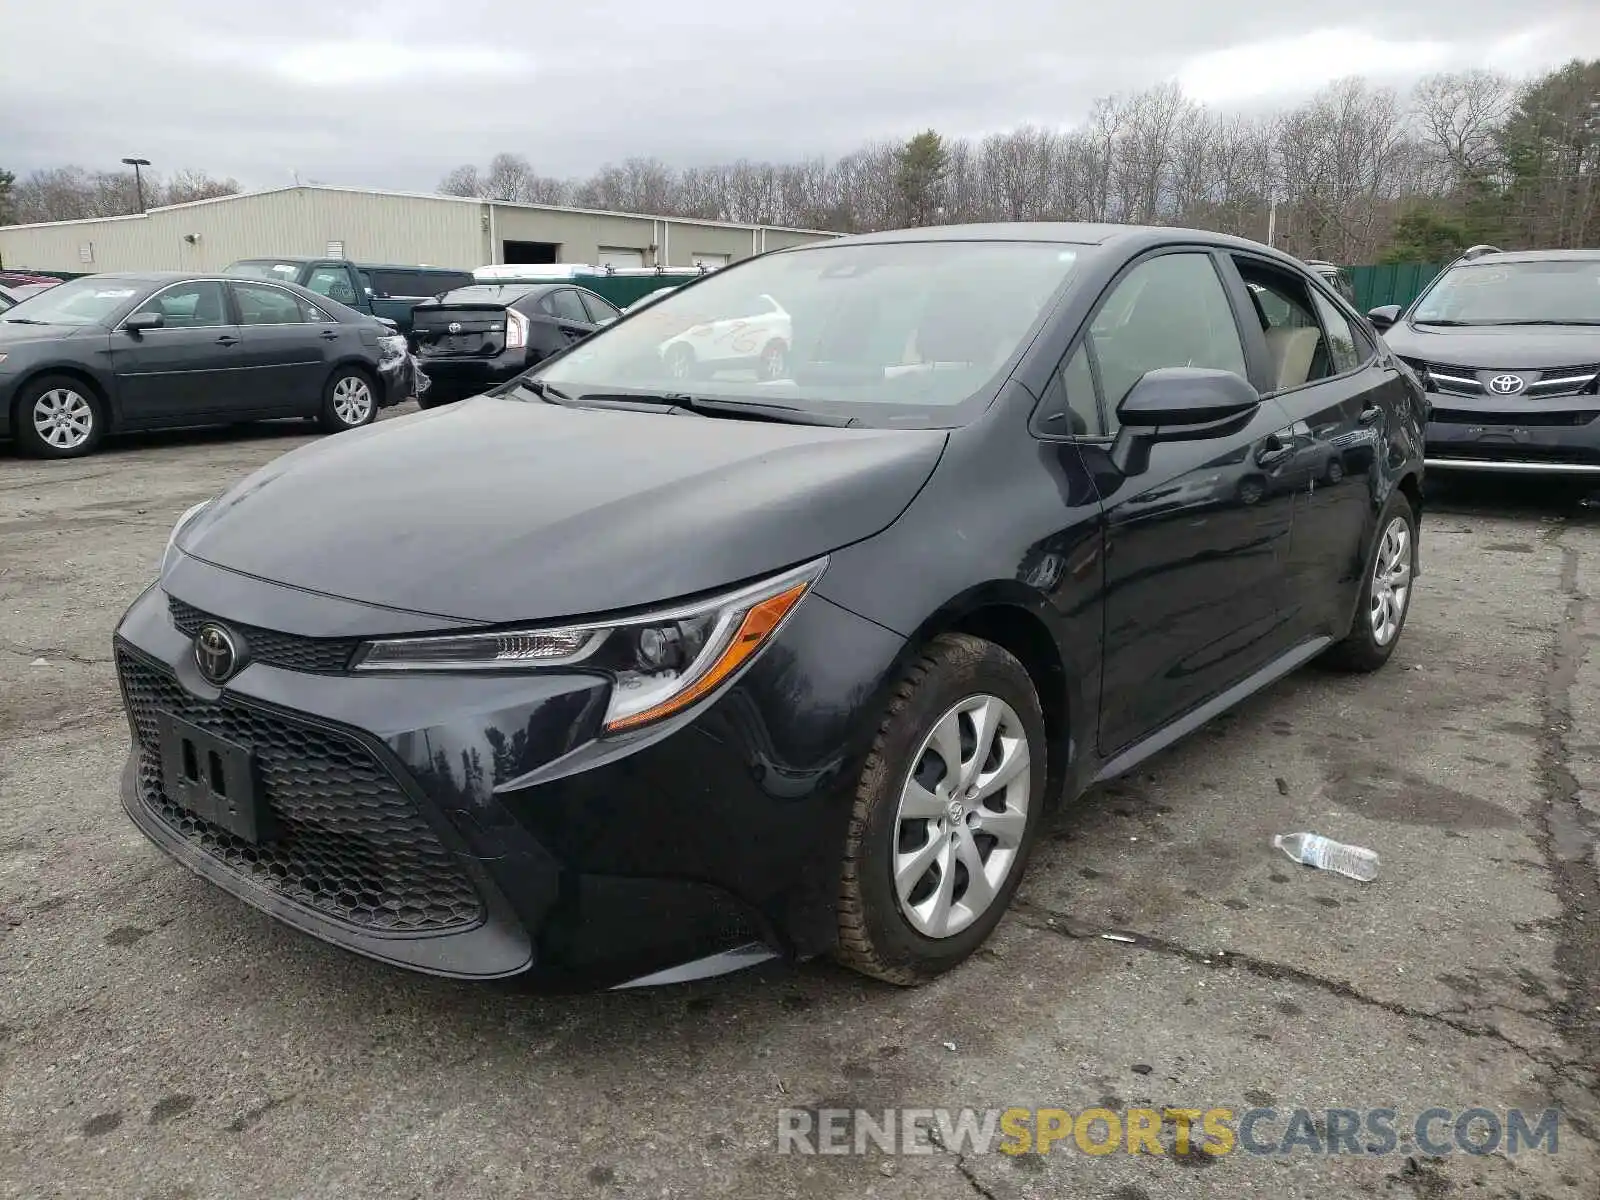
946	811
59	417
1386	595
349	401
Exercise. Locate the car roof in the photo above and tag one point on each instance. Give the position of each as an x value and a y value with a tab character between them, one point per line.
402	267
1130	238
1516	256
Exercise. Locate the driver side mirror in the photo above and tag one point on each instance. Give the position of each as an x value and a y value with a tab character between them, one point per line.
1179	404
1384	316
140	321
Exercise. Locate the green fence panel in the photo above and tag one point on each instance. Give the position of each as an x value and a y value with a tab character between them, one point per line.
1391	283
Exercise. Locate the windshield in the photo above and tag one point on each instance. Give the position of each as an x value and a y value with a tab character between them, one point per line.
913	327
265	268
88	301
1556	291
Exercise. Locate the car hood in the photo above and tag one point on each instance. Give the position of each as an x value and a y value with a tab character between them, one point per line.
498	511
1499	347
15	335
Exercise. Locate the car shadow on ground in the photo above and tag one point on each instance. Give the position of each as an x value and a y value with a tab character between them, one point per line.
1513	496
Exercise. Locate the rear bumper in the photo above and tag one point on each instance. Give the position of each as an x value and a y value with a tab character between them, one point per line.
457	378
476	827
1554	437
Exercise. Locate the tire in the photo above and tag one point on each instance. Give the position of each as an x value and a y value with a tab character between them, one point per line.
342	404
681	362
59	416
1335	472
774	360
430	400
877	935
1366	647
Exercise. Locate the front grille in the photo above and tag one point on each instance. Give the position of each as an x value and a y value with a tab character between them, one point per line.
1539	385
319	656
1524	420
350	844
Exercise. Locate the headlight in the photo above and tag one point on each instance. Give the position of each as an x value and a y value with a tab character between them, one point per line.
189	515
659	663
391	346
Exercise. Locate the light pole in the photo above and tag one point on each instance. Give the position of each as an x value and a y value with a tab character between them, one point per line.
138	180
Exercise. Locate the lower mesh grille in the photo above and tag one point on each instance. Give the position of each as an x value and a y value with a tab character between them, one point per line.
350	844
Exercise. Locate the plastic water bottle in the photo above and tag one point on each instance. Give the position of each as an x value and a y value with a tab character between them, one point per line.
1328	855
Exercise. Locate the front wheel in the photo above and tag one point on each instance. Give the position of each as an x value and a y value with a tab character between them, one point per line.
349	401
59	417
946	812
1386	595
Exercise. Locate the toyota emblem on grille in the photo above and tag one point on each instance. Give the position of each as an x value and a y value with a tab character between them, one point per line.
455	327
1506	385
215	653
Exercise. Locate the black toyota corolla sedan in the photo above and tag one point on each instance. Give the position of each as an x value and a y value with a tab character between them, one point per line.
602	682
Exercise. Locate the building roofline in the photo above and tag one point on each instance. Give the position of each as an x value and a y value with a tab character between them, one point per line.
330	187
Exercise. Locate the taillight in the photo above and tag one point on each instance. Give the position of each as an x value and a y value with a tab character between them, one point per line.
516	330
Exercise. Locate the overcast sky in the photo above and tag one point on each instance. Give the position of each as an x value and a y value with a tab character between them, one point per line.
393	93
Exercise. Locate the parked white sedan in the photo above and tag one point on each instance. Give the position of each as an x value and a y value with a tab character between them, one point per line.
759	341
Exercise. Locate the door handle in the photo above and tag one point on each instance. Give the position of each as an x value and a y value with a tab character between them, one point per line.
1369	415
330	335
227	339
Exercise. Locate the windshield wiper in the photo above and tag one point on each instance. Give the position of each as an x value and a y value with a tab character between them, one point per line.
24	321
540	389
1571	321
1443	321
746	410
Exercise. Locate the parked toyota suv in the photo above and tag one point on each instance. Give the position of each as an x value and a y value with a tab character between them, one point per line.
1508	348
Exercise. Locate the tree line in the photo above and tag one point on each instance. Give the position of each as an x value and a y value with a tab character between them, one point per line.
73	193
1357	173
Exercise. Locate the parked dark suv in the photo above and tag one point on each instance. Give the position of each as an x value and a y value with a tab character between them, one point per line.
1508	348
473	338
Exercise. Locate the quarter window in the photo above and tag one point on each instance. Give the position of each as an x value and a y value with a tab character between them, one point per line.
1169	311
196	305
599	309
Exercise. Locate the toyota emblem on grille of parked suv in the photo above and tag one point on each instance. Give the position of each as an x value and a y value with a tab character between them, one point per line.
1506	385
455	326
215	653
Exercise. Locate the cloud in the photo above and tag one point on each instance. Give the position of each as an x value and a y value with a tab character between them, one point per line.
393	93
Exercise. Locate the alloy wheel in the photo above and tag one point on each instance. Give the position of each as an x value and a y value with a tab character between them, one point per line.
1391	581
352	400
63	418
962	815
773	365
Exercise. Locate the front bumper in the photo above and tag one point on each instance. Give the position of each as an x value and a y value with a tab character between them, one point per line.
1554	436
474	826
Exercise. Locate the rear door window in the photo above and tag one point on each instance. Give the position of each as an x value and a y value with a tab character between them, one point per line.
260	304
566	306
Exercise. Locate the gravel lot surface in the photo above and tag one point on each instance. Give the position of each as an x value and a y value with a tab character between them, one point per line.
160	1039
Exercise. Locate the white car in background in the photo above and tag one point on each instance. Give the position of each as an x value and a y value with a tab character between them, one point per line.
759	341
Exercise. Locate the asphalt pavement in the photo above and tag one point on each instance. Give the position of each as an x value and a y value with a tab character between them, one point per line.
160	1039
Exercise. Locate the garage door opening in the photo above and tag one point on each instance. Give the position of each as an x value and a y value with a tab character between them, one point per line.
621	256
530	252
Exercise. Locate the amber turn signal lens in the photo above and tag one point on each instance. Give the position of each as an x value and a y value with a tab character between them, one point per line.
756	627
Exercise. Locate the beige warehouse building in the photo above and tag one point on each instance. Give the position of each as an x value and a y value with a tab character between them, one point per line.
380	227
